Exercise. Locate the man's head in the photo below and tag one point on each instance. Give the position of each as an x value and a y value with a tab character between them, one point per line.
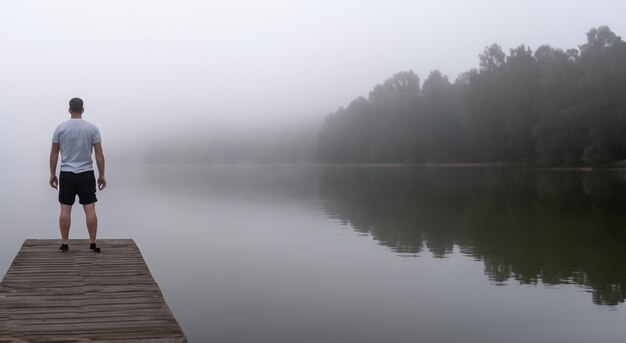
76	106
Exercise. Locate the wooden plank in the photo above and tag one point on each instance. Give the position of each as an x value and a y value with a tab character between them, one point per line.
80	296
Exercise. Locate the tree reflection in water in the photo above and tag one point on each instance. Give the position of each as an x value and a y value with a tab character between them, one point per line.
553	227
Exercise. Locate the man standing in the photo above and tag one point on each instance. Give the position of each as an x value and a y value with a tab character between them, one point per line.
76	139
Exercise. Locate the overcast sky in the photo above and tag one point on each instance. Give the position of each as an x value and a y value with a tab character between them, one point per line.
152	67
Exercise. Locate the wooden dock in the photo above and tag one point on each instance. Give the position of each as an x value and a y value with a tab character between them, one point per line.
81	296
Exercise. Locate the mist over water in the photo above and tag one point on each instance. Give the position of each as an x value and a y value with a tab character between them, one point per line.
280	253
210	114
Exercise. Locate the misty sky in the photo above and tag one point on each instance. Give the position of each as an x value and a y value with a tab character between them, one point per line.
150	68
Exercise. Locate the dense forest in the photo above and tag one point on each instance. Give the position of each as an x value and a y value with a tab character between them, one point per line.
548	106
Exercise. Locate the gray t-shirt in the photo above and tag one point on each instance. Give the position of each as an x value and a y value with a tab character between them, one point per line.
76	138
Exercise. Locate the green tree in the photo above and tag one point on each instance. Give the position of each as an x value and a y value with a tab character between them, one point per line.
559	133
603	90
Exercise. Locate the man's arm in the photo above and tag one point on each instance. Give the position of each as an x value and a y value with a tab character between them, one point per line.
102	181
54	159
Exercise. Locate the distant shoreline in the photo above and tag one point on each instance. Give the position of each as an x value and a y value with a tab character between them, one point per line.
485	165
615	167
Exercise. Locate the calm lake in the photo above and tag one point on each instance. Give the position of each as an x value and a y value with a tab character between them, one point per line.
280	253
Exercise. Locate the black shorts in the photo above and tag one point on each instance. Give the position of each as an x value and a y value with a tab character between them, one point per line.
81	184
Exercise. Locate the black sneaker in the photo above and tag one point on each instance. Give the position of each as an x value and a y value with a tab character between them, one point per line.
64	248
92	248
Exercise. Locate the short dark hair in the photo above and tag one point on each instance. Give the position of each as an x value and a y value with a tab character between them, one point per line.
76	105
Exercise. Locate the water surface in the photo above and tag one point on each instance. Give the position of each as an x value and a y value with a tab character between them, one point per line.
281	253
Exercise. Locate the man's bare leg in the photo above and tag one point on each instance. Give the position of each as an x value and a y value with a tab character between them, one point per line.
65	220
92	221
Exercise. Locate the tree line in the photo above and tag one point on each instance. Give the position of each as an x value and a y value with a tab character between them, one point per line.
549	106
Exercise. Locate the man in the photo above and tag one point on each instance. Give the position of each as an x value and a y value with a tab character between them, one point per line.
76	139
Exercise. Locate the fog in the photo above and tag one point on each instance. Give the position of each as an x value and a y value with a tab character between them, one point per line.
280	252
235	73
